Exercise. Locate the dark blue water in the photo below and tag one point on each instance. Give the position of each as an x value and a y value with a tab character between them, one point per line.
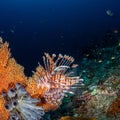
33	27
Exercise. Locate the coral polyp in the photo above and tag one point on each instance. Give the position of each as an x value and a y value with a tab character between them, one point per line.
21	105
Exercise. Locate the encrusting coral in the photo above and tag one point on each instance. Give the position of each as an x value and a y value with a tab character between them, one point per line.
21	97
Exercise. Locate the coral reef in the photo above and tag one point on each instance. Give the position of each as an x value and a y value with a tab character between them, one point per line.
55	90
101	93
10	73
24	98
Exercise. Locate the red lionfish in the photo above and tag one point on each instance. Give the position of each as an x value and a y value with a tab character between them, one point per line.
56	77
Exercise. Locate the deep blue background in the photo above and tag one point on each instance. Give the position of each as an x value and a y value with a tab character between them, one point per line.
33	27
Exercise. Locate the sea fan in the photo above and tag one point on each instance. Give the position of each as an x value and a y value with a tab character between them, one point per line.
20	105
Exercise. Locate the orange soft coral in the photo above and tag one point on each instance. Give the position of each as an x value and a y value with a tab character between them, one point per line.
4	54
10	72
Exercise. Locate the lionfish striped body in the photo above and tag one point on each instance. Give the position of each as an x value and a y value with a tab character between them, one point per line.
55	78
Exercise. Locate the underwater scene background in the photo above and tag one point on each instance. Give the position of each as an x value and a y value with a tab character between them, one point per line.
60	60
